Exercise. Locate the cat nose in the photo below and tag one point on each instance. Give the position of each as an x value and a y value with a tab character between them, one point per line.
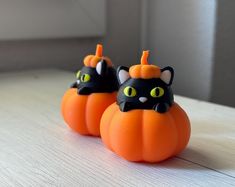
143	99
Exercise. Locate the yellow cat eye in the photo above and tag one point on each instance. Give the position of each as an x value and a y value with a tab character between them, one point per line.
157	92
85	77
78	74
129	91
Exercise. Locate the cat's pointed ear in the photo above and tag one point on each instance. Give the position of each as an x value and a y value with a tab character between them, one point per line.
167	75
122	74
102	67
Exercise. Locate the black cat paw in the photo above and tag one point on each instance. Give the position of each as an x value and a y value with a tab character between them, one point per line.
84	91
124	107
74	85
161	107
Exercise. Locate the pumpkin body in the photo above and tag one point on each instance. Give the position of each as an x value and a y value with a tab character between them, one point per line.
82	113
145	135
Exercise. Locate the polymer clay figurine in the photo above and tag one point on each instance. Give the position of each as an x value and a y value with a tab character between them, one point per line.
95	89
145	124
97	76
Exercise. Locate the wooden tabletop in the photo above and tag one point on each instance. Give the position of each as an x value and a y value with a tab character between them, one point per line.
37	148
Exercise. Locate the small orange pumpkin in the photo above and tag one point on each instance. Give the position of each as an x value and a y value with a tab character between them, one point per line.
92	60
95	89
136	129
144	70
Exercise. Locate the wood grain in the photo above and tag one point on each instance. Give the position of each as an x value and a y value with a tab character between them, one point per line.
37	149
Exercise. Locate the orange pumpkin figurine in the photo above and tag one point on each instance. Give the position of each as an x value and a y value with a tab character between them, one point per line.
95	89
145	124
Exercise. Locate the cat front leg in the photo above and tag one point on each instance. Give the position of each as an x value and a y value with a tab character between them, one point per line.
161	107
84	91
124	106
74	85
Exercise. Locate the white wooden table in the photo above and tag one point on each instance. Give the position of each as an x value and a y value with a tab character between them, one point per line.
37	148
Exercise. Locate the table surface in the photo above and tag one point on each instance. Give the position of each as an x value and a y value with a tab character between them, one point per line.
38	149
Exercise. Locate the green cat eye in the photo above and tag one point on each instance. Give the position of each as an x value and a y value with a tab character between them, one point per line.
129	91
85	77
78	74
157	92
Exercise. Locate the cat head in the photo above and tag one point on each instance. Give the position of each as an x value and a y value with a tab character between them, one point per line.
97	75
143	86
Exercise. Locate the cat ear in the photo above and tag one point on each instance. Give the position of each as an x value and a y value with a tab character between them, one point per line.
122	74
102	67
167	75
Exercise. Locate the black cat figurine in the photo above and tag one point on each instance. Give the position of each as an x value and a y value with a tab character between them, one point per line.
145	87
97	76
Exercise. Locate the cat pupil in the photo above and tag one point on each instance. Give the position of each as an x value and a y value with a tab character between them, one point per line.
129	91
157	91
83	77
